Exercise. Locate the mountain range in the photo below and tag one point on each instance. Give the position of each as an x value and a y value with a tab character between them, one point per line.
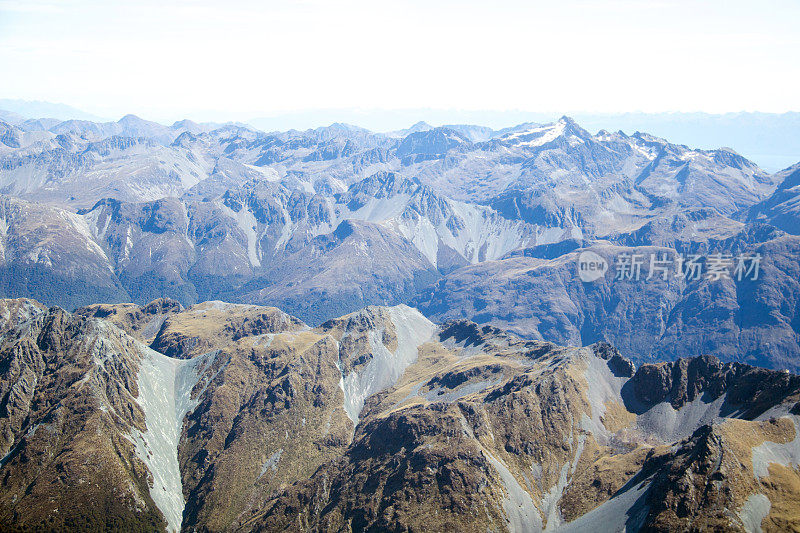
770	139
463	222
208	327
230	417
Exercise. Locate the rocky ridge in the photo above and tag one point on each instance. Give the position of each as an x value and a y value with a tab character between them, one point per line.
378	419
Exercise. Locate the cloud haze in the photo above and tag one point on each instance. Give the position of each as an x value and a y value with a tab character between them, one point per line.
170	59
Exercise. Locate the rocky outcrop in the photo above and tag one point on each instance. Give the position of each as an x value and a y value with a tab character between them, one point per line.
15	312
140	322
212	325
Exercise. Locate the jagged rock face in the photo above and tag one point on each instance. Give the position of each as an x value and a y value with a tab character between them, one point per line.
13	312
683	381
376	346
141	322
375	420
101	416
259	403
724	477
560	173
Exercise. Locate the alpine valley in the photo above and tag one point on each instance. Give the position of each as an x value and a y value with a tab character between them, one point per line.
207	327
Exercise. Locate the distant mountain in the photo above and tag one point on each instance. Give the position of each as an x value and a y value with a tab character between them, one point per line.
649	318
380	242
782	208
771	139
11	117
429	144
28	109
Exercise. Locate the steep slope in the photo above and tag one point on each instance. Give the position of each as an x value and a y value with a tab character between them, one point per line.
659	318
272	415
283	407
101	417
13	312
50	254
69	407
258	241
782	208
147	246
358	264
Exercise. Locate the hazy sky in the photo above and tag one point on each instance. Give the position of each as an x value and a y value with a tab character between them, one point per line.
168	59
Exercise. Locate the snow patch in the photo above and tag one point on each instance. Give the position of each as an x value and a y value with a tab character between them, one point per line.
537	136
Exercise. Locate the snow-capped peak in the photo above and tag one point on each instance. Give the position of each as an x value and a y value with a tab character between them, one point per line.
537	136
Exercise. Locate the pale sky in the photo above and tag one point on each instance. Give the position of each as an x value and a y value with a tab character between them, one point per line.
238	59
